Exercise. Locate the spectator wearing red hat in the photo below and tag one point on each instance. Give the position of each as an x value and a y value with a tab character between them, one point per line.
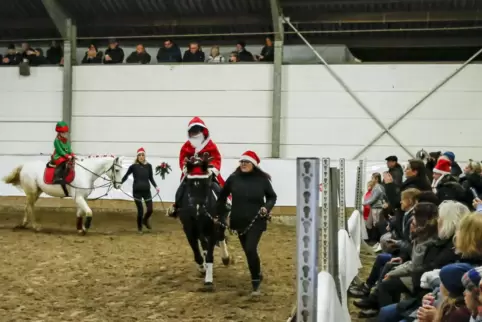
445	185
143	175
253	198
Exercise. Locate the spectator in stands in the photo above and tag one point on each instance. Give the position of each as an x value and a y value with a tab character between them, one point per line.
376	202
395	169
12	57
452	308
169	53
193	54
243	54
114	54
432	248
366	207
467	246
39	59
139	56
215	56
55	53
455	169
267	53
28	53
445	185
234	57
92	55
472	180
471	281
431	162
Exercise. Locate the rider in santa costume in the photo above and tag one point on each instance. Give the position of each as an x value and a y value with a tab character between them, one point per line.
199	142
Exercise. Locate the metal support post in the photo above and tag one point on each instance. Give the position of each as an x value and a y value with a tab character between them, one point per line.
325	213
307	212
414	106
68	31
346	88
342	222
277	78
333	228
67	78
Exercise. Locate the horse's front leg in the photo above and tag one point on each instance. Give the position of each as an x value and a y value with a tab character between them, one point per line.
209	277
83	207
80	220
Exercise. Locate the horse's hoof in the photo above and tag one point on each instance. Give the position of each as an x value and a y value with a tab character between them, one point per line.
208	287
82	232
226	261
20	226
255	294
37	229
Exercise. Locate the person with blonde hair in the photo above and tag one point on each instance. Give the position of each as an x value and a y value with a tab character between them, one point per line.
143	175
215	56
468	241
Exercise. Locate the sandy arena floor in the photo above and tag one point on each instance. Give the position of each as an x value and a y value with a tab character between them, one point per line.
115	275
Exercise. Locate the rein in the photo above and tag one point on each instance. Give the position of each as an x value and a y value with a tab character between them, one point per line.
246	230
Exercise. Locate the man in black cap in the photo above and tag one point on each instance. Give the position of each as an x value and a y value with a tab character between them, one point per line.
395	169
114	54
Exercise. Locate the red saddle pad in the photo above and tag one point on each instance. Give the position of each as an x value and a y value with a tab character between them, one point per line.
49	176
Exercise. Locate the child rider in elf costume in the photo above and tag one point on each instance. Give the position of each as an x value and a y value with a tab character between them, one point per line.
62	153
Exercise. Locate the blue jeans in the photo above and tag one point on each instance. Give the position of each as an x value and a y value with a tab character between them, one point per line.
389	313
377	267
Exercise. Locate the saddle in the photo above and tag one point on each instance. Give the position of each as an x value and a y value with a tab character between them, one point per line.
63	174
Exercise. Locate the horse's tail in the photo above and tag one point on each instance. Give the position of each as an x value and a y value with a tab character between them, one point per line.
14	177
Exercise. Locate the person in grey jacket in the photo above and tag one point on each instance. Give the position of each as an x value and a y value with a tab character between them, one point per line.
375	201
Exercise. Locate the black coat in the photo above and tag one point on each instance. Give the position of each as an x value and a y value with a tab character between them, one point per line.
117	55
169	55
450	189
474	181
197	57
250	191
142	174
393	192
96	60
136	58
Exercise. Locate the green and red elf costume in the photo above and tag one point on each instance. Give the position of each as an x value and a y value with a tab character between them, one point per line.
63	151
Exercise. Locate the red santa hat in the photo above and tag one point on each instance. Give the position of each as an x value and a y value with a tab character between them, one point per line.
198	173
196	121
442	166
141	150
250	156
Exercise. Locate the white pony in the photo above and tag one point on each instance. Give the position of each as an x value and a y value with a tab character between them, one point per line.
30	178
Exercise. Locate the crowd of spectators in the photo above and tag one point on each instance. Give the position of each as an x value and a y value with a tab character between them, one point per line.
114	54
425	223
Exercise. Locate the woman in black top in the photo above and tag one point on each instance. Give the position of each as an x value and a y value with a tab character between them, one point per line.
141	189
253	198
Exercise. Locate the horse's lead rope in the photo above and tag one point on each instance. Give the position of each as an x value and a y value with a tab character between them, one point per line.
245	231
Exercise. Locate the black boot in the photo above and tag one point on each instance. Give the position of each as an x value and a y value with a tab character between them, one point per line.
145	222
59	174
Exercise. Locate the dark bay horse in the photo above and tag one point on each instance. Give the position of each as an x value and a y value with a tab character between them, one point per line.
198	216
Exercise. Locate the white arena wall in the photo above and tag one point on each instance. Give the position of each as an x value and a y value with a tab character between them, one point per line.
117	109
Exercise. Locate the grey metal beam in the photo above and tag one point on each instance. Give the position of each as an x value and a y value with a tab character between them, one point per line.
347	89
417	104
302	17
278	28
58	16
67	75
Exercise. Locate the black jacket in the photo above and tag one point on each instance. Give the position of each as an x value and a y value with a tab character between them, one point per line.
14	59
169	55
142	174
197	57
474	181
250	191
117	55
96	60
448	188
268	54
397	174
393	192
245	56
136	58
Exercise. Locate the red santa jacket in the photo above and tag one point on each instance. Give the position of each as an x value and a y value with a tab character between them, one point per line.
188	150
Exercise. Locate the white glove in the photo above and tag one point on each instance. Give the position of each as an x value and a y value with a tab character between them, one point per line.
428	277
184	170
